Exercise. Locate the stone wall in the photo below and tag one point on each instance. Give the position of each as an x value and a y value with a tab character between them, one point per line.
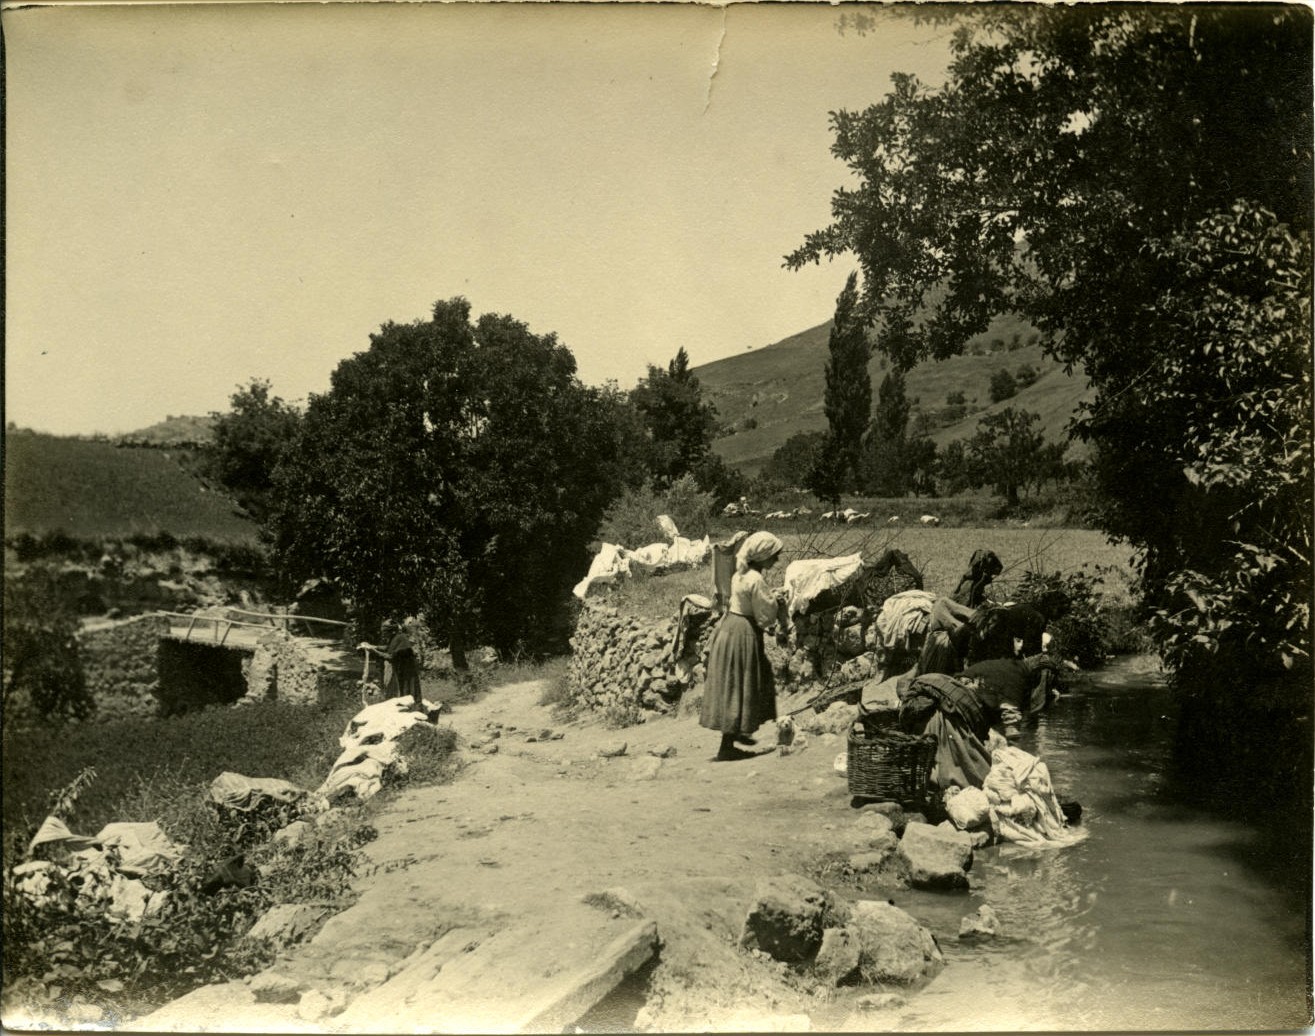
622	666
279	670
119	661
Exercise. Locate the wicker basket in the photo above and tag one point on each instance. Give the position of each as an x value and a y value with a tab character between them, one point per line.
888	764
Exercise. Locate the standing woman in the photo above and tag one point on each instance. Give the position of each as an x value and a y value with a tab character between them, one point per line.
739	693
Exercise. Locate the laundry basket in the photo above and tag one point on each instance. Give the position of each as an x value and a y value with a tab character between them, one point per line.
889	765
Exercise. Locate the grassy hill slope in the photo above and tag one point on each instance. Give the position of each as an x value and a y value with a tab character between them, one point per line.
90	490
767	395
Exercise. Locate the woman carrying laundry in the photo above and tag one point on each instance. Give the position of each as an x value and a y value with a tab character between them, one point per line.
739	693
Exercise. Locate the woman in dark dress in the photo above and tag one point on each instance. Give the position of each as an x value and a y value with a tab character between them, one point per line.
404	666
739	692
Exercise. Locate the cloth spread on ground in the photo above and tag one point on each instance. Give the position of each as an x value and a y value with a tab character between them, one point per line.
806	580
904	617
1024	808
369	747
235	791
103	870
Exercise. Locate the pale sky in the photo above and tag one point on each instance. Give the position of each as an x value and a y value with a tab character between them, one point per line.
199	195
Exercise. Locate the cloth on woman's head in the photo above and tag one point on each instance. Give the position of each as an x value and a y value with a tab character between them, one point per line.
758	547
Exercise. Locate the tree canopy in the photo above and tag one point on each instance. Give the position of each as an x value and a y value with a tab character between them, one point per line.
249	441
1135	181
680	425
847	399
454	469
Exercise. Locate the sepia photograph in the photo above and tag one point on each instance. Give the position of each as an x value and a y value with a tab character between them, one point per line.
591	517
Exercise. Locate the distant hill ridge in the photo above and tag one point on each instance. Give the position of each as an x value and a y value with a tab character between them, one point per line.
766	395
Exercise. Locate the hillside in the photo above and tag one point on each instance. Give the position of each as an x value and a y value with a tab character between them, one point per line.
90	490
767	395
175	429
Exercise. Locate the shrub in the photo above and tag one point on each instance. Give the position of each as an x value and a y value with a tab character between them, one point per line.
632	520
426	750
42	667
1086	632
64	951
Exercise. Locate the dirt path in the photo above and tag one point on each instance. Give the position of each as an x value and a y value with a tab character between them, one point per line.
510	847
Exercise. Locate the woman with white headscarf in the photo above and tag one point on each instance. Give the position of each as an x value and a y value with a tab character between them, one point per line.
739	693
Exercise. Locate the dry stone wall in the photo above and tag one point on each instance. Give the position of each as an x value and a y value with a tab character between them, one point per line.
119	662
279	670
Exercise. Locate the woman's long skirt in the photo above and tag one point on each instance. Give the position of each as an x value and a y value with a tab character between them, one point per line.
739	692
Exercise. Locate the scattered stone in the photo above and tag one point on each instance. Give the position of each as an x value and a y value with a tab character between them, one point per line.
271	987
879	1001
645	769
291	835
613	750
317	1005
983	923
491	749
663	751
913	818
893	946
287	923
545	735
874	825
787	918
936	858
837	958
874	859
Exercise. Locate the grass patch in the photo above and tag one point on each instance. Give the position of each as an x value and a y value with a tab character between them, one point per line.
144	765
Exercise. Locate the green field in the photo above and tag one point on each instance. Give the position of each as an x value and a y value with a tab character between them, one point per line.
93	490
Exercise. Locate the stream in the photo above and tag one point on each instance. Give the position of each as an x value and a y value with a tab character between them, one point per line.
1171	914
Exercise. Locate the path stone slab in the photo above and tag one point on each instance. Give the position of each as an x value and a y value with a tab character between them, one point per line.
536	976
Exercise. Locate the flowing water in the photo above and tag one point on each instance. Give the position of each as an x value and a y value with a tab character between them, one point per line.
1173	913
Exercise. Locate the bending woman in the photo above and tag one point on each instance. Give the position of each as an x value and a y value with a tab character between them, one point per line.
739	693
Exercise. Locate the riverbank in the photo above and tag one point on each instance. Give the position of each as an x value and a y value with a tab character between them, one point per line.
1137	927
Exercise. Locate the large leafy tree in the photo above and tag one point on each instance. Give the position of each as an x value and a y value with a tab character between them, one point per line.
1004	453
1136	182
680	425
847	399
454	469
249	441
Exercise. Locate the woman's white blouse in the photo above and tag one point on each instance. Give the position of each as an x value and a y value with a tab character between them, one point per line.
750	596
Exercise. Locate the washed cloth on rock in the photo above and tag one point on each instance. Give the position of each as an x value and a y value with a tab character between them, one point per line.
904	618
820	579
1024	808
739	693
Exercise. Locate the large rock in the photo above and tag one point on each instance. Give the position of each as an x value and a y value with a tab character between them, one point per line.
983	923
287	923
936	858
787	918
837	959
893	947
